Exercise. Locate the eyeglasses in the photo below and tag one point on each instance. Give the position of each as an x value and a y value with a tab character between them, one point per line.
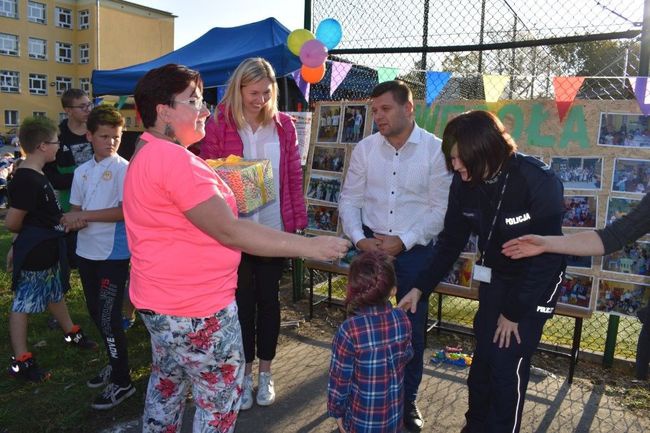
198	103
84	107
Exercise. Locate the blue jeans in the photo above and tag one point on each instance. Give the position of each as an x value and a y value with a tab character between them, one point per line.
408	265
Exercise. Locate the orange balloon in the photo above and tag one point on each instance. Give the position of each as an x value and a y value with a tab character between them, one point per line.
312	75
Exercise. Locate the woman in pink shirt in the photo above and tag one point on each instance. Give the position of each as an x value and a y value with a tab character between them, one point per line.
247	123
185	241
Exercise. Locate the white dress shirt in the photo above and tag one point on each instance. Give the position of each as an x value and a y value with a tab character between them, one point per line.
264	143
396	192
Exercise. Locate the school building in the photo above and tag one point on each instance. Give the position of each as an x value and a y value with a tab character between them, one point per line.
48	46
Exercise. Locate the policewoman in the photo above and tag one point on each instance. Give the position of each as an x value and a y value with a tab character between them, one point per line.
498	194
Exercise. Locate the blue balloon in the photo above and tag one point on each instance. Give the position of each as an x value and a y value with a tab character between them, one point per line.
329	32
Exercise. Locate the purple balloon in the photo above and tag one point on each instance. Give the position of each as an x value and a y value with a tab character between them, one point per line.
313	53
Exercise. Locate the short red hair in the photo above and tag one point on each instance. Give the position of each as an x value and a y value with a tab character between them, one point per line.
371	279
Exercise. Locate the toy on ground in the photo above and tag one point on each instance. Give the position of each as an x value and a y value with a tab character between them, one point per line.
453	356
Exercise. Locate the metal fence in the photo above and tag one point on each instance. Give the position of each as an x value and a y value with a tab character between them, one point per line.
529	41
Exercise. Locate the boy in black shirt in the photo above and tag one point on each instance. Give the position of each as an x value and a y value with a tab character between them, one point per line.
38	256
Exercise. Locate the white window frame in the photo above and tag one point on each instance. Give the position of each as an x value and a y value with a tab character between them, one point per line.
37	48
39	114
9	44
84	84
62	116
36	12
63	17
12	122
63	46
84	53
9	81
9	8
63	84
84	19
38	84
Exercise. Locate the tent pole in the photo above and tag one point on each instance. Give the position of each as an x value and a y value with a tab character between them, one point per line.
308	6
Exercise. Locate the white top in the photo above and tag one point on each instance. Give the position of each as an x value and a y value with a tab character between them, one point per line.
396	192
100	185
264	144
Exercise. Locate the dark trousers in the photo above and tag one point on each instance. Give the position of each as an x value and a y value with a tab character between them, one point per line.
498	377
103	283
643	346
258	287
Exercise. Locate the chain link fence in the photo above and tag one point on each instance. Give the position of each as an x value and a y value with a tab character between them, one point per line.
528	41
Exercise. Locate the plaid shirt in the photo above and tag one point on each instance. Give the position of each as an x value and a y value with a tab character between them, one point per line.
366	378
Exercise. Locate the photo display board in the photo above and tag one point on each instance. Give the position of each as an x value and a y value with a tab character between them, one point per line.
600	151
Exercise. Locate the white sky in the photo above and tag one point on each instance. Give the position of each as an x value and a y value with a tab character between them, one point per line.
195	17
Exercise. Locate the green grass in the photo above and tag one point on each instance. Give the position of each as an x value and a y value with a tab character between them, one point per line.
63	403
558	330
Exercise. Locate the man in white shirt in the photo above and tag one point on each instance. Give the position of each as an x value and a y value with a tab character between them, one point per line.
394	199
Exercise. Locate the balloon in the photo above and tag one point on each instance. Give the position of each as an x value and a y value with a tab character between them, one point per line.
312	75
297	38
313	53
329	32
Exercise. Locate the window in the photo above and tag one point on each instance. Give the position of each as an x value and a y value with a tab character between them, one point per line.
9	81
39	114
63	84
84	53
37	48
84	19
62	117
11	118
84	84
63	17
9	8
36	12
8	44
38	84
63	52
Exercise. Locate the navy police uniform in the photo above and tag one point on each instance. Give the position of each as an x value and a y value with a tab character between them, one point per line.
524	291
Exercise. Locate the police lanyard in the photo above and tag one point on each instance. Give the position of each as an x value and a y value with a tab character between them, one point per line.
494	220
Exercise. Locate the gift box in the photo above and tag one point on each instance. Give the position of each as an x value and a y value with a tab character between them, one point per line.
251	180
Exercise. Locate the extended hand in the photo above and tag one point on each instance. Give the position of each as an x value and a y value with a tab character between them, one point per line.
328	247
73	221
524	246
410	300
391	245
339	423
504	330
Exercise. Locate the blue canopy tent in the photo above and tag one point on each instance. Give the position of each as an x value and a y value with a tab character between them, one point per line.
215	55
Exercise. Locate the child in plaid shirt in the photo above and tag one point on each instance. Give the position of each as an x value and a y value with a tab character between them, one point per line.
369	351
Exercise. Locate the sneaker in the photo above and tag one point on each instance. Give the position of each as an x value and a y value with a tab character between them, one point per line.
102	378
112	396
77	338
247	396
28	370
265	390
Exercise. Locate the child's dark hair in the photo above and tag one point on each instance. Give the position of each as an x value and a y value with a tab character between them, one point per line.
371	279
104	114
36	130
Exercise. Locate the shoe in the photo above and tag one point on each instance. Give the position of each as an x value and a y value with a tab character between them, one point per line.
112	396
265	390
28	370
102	378
247	395
77	338
412	417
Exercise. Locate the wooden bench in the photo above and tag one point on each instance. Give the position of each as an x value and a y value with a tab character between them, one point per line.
578	314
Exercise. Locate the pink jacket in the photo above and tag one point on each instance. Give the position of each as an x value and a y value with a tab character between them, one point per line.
222	139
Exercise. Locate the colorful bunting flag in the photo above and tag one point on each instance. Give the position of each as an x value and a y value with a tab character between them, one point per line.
435	82
338	73
493	86
121	102
301	83
642	93
386	74
566	89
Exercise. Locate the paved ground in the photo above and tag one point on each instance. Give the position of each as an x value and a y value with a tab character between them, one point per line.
300	372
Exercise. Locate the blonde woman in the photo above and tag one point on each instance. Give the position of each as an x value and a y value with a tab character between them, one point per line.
247	123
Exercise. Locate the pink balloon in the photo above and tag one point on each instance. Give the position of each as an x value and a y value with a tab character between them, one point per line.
313	53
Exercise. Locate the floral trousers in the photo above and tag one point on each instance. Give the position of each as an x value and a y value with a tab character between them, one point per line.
205	353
